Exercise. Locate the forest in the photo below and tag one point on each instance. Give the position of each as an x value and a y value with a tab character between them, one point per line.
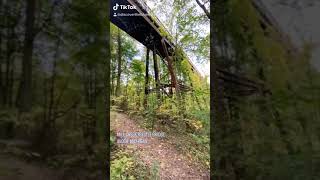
273	133
53	86
143	97
264	102
70	78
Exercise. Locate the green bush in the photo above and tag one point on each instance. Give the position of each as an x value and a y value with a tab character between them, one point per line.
121	102
122	166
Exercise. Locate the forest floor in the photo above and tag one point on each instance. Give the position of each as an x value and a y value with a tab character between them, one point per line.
173	164
20	163
13	168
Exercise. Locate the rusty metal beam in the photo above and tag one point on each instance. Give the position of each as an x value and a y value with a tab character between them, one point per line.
170	66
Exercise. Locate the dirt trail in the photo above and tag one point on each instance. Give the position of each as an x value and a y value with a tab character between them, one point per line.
12	168
173	165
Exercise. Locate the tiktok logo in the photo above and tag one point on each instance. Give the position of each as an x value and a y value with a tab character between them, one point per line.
116	7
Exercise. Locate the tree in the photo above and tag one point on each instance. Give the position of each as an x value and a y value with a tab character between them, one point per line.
156	74
119	68
146	86
217	127
25	91
108	87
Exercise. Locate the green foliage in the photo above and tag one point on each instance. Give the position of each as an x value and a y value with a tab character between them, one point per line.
67	120
7	124
137	70
155	171
200	139
120	168
271	136
121	102
173	113
126	165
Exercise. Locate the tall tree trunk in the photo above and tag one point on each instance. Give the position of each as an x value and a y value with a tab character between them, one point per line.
51	110
156	74
9	63
90	89
1	81
118	88
25	91
6	87
45	100
217	124
107	87
95	93
1	85
50	131
11	83
146	87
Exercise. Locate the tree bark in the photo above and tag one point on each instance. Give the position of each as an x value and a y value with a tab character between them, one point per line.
156	74
25	91
118	88
51	110
107	87
7	71
217	128
11	83
9	63
146	87
1	81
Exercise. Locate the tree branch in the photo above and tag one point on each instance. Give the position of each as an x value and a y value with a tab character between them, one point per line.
204	9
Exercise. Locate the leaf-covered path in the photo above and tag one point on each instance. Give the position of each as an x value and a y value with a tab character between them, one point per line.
173	165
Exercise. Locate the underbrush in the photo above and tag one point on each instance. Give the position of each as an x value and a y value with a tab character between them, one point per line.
188	132
125	164
74	147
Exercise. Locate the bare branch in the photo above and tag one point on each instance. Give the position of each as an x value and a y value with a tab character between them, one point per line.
203	8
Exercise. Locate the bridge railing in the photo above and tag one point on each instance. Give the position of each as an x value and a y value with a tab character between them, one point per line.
150	12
